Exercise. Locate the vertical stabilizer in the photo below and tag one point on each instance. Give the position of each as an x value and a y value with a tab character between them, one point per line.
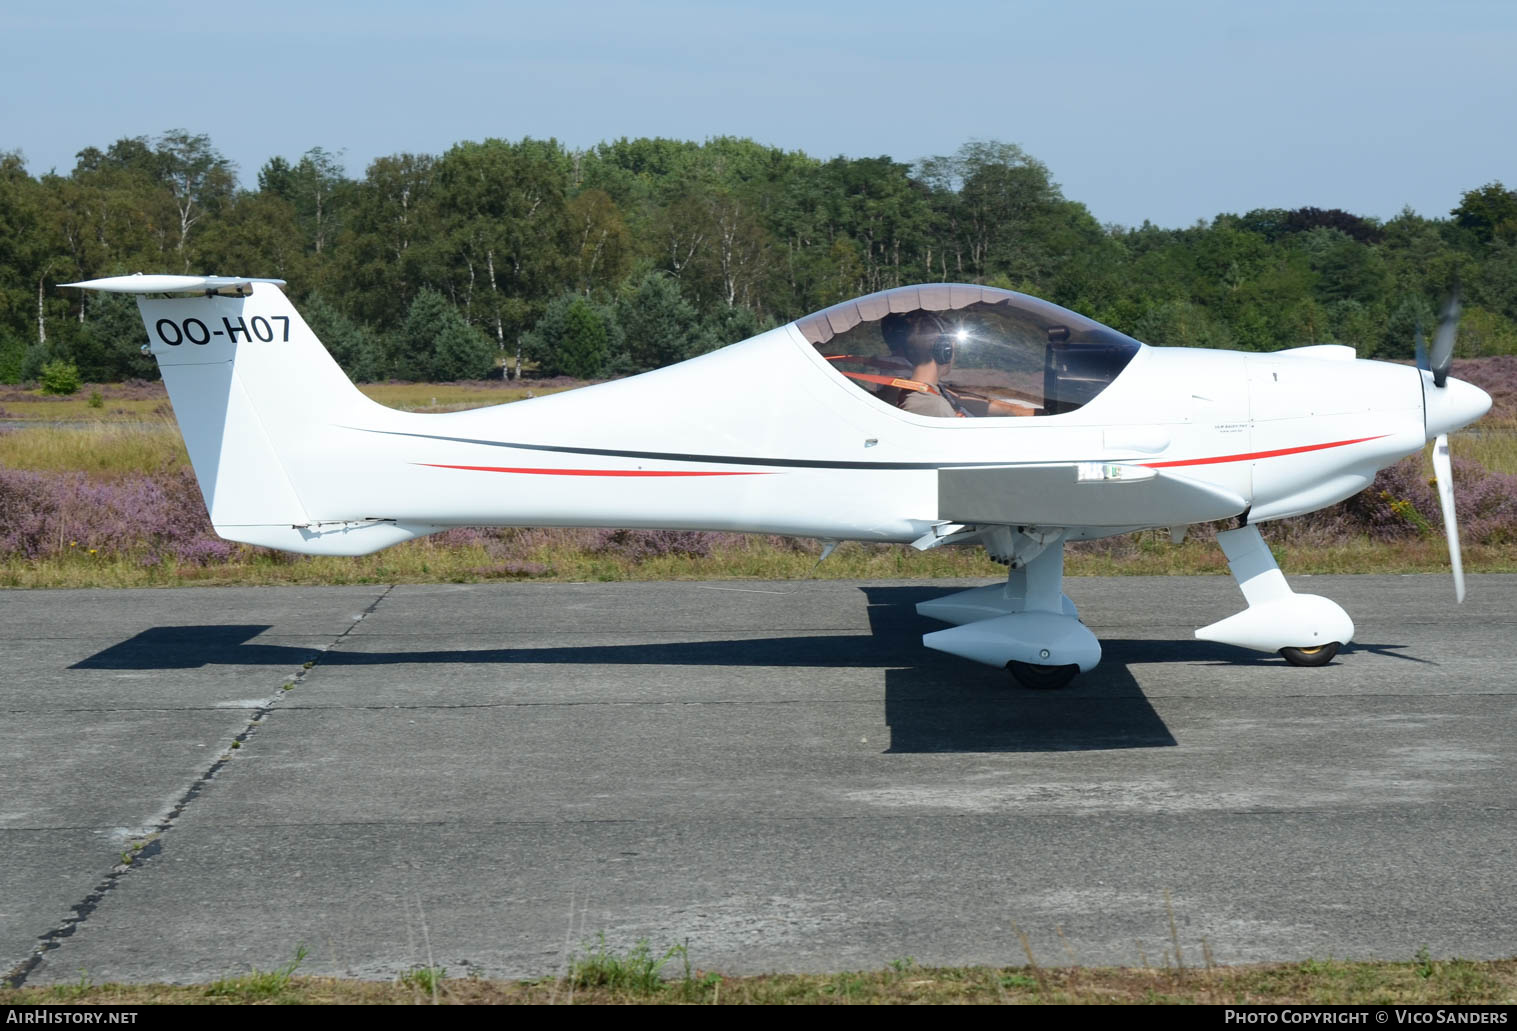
254	392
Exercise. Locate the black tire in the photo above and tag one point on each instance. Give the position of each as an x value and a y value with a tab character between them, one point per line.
1042	678
1318	656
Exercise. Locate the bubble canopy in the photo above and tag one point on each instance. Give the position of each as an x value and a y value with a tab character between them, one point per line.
956	350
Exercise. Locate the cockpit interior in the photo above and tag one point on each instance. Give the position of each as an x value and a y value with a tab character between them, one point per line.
958	351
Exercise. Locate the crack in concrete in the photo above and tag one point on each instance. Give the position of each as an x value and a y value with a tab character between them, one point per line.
641	703
144	847
129	709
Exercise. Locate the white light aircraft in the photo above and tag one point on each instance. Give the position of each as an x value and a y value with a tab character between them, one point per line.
928	415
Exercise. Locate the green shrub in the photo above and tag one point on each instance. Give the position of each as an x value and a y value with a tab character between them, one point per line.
12	358
60	377
575	337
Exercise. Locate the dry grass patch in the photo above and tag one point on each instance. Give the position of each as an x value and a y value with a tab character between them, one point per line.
1492	444
454	397
104	450
137	401
1423	981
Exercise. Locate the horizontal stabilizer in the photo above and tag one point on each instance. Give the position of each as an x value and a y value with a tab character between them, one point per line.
140	284
1080	494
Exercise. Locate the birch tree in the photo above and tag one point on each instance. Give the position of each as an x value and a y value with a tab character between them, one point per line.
198	178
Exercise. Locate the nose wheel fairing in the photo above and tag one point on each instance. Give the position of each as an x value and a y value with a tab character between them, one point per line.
1277	618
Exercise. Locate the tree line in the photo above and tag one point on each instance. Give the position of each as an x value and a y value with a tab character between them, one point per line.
500	256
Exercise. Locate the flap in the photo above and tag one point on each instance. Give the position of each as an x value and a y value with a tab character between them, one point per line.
1081	494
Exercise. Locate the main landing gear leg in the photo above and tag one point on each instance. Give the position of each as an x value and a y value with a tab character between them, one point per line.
1028	627
1040	583
1307	630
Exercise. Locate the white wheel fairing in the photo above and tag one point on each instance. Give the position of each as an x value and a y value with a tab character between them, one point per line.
1276	616
1296	621
1036	638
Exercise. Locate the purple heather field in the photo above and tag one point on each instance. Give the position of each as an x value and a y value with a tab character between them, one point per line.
159	518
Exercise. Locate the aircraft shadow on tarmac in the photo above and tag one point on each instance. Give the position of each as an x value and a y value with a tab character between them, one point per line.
933	702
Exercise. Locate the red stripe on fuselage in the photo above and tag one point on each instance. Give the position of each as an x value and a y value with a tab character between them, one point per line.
586	472
1251	456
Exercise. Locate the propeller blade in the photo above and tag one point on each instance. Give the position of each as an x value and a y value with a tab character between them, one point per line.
1443	469
1421	350
1443	341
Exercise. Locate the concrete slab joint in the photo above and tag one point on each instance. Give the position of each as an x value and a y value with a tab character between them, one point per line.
147	843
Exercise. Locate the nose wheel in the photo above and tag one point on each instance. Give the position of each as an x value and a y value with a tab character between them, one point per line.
1320	655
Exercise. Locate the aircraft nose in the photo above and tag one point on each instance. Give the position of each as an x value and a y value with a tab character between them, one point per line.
1453	405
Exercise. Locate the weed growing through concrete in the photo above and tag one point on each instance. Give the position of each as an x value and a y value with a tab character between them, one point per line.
259	985
636	971
424	979
134	849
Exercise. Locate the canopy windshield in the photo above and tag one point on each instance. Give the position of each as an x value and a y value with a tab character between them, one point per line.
955	350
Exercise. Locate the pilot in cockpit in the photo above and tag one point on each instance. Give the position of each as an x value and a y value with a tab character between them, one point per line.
921	340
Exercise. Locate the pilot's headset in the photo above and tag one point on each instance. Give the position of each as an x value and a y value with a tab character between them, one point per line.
918	335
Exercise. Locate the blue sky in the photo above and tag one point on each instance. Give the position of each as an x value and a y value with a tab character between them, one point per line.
1169	111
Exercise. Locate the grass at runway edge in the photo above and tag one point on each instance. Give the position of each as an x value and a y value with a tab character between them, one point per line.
1423	981
571	556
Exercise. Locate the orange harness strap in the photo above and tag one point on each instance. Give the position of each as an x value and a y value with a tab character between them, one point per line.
902	384
891	381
